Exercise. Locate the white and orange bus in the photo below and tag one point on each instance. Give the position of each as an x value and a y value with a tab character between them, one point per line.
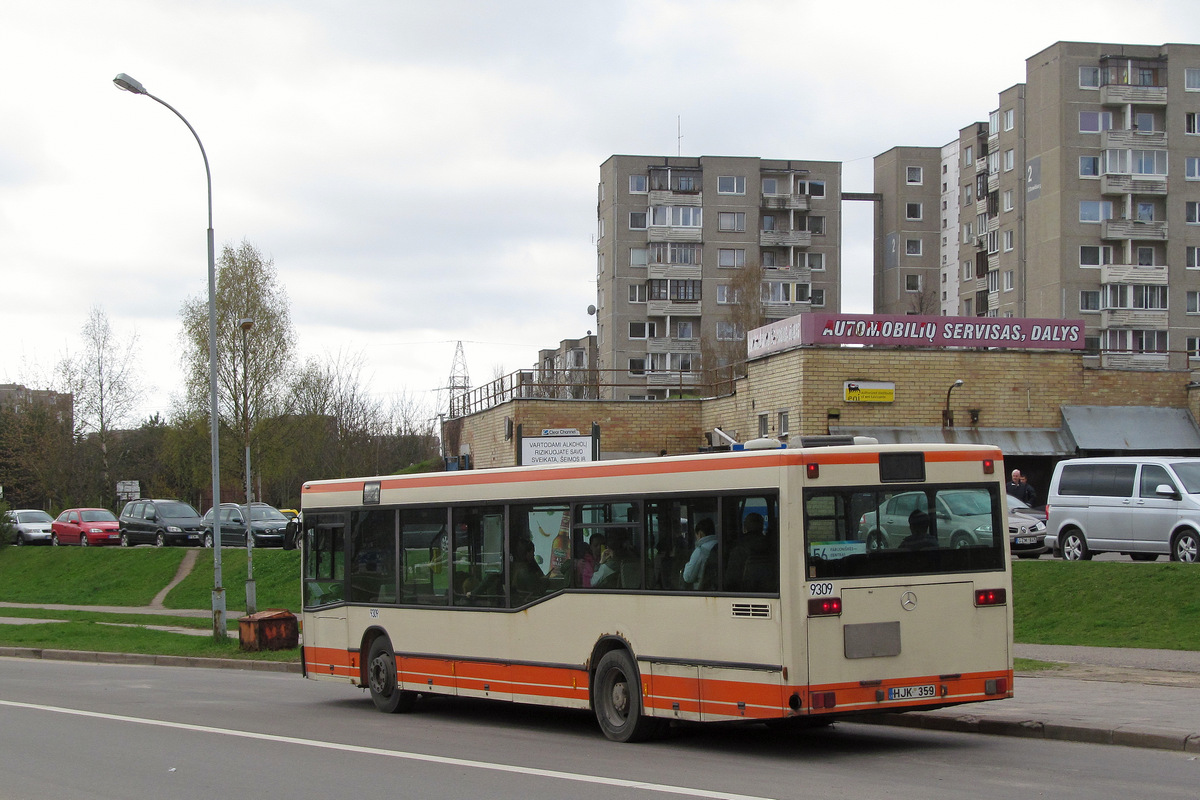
800	584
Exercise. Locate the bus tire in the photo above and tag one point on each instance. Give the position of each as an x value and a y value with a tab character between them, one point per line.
617	700
381	677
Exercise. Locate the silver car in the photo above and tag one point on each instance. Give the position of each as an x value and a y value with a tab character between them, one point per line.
30	525
963	518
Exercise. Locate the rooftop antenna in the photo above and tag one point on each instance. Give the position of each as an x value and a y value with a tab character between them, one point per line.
460	382
678	135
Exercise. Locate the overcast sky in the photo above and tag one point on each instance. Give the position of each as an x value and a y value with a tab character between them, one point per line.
425	173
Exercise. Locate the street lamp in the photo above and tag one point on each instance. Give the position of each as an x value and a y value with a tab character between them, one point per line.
128	84
251	604
947	414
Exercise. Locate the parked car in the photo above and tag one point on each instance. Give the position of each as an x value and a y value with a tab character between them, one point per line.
267	524
29	525
1026	529
963	519
86	527
1141	506
290	513
159	522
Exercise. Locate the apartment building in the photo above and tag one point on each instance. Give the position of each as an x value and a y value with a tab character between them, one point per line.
1079	197
693	252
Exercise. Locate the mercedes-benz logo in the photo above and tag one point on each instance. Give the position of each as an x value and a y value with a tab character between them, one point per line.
908	601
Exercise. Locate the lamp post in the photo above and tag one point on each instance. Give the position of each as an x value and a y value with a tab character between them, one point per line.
947	414
251	604
128	84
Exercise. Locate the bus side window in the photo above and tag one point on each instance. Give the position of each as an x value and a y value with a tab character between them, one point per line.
752	563
324	559
425	580
373	556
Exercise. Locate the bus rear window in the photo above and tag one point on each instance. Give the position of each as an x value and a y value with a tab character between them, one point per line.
903	530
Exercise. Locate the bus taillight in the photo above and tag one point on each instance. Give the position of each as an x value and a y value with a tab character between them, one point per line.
813	470
824	606
989	466
986	597
824	699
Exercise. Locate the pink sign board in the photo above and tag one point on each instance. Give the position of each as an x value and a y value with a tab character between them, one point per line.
915	331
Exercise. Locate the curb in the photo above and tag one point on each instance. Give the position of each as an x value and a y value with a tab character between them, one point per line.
148	660
1178	740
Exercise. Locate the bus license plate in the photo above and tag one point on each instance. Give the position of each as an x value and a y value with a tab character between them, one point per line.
912	692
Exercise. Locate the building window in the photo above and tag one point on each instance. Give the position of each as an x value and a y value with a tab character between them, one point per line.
1091	255
1089	77
659	288
1149	162
1008	119
681	362
684	329
1191	80
814	261
802	292
728	331
912	210
685	291
1193	302
686	183
727	295
818	298
912	283
968	271
1095	121
1192	168
637	220
912	247
637	293
731	221
1010	282
642	330
638	184
994	121
600	229
763	425
813	224
1137	296
1191	122
1008	199
731	257
815	189
638	256
731	185
968	194
968	156
770	259
1193	257
768	222
775	292
688	254
1145	257
1193	346
1089	300
993	280
913	176
1008	241
1009	161
1120	340
783	423
1192	212
770	186
1089	166
637	366
1095	210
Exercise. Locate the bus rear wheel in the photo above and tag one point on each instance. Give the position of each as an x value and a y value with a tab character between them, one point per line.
381	678
617	700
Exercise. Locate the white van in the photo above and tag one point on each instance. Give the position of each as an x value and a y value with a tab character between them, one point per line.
1138	506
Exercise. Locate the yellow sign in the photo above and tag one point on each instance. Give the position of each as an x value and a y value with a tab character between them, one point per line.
869	391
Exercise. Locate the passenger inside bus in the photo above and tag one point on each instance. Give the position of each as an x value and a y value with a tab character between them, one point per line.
588	559
919	537
751	566
618	567
528	580
700	572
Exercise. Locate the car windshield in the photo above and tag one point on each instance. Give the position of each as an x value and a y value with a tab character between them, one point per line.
967	504
97	515
261	513
175	510
33	516
1189	474
1016	503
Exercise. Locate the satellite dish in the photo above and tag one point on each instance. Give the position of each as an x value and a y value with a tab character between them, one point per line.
591	310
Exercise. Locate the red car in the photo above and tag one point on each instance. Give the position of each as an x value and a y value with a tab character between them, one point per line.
85	526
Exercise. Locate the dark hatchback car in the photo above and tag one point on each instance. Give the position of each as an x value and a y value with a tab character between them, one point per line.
266	522
159	522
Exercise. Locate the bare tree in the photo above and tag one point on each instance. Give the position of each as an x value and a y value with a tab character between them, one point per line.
103	380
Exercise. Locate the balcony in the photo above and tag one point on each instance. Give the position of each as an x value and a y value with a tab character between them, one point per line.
784	239
785	202
662	233
666	197
676	271
1147	361
1133	229
801	274
670	345
1128	184
672	378
1120	95
1140	318
1131	273
673	308
1133	140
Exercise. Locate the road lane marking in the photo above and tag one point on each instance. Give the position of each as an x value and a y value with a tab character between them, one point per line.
350	748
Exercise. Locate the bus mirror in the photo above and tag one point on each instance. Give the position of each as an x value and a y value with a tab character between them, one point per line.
289	536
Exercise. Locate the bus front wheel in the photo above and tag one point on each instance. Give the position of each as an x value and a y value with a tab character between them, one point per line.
381	677
618	700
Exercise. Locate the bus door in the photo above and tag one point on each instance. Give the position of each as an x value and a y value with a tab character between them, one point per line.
325	632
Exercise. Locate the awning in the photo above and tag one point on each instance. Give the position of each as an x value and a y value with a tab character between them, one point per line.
1011	441
1132	428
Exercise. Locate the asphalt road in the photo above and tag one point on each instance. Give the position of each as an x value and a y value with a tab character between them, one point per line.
71	730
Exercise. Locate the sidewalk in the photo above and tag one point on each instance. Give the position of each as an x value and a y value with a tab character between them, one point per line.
1102	695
